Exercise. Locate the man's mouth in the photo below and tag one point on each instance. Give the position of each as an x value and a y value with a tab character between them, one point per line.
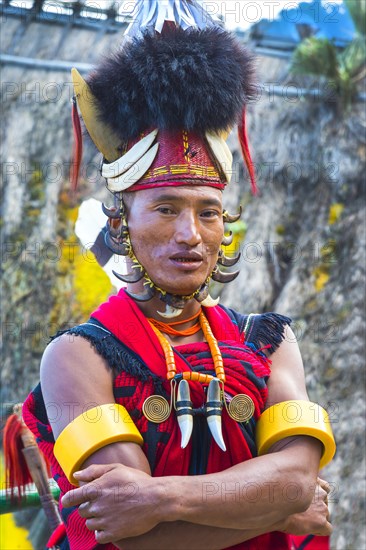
187	257
190	260
185	260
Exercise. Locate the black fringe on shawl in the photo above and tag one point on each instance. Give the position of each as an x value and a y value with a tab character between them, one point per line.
268	329
118	357
262	329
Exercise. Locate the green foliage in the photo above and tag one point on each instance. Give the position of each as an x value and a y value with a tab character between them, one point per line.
36	187
352	60
316	56
357	9
320	57
239	228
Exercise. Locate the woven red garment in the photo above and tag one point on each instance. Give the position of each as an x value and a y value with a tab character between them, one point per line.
246	371
56	538
171	459
310	542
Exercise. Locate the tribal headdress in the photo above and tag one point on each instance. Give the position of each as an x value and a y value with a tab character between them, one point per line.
159	110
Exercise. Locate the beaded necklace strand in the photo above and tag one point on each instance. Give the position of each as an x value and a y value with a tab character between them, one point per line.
190	375
168	328
157	409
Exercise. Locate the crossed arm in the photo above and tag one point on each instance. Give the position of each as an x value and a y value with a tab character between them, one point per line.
126	505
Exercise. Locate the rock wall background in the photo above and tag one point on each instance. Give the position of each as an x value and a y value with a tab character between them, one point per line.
303	253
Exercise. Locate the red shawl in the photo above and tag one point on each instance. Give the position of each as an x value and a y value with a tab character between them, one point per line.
246	372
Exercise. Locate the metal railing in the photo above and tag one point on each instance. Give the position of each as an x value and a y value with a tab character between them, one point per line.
67	13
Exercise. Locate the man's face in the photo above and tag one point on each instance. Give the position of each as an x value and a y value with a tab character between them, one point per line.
176	234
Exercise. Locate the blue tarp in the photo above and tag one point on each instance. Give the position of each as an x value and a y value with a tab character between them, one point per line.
322	20
278	30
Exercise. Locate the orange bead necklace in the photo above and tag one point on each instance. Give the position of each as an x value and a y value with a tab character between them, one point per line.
168	328
190	375
157	409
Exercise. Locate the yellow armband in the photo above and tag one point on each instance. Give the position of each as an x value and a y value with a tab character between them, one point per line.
91	431
291	418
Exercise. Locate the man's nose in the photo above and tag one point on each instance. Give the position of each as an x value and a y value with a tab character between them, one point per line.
187	230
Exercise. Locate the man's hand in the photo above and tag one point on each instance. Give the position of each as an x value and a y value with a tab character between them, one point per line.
315	520
117	501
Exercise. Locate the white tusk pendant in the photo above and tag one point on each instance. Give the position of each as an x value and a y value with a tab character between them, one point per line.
210	302
213	412
184	412
170	312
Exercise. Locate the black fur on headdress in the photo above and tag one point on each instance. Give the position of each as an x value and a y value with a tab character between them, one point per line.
181	79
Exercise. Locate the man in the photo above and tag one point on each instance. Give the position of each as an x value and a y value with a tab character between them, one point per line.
161	416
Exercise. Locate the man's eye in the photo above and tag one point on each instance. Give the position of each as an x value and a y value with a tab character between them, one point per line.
165	210
210	214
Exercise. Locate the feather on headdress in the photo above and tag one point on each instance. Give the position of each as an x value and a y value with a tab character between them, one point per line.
151	15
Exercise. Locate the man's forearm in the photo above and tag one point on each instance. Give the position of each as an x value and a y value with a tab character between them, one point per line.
253	495
180	536
260	492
